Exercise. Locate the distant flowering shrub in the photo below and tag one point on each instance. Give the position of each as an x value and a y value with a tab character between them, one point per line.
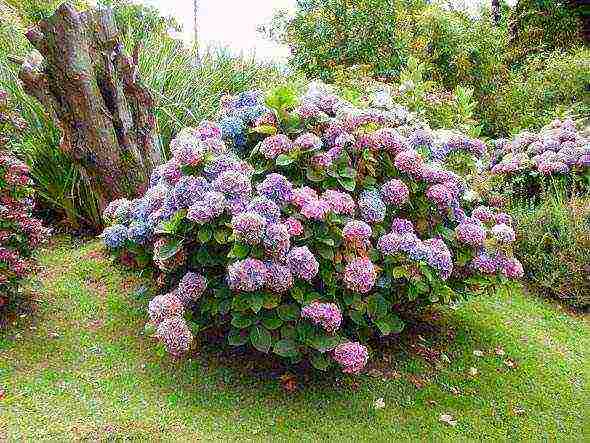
531	163
20	232
330	227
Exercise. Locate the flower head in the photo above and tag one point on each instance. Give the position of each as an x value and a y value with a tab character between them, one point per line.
360	275
351	356
302	263
326	315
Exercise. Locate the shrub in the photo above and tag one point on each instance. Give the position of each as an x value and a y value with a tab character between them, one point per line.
550	85
20	233
335	230
529	165
554	247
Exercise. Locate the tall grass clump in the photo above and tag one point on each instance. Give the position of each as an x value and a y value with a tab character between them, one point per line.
554	247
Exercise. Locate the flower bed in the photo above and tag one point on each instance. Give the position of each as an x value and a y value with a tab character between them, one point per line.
20	232
335	228
559	155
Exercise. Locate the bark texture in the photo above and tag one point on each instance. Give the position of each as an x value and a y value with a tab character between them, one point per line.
91	89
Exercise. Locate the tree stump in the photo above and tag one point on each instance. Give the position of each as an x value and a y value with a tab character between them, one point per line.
92	91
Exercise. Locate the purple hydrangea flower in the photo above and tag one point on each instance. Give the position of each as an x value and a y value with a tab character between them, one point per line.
171	171
176	335
421	137
165	306
247	275
357	233
189	190
271	147
115	236
440	195
389	140
308	142
470	234
266	208
303	195
302	263
199	213
208	130
502	217
503	233
483	214
371	207
389	244
276	187
409	161
139	232
276	239
395	192
439	257
315	209
512	268
360	275
351	356
279	278
249	227
402	226
216	202
191	287
233	184
117	210
486	263
339	202
326	315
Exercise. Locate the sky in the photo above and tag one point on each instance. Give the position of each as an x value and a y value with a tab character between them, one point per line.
229	23
233	23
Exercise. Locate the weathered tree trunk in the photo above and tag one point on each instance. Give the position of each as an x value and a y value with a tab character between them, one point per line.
92	91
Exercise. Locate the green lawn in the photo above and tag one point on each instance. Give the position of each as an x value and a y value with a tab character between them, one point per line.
79	367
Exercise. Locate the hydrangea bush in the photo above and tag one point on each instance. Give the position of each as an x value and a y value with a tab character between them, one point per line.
20	232
530	163
333	225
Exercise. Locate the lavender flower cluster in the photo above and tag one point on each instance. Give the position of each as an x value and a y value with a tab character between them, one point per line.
559	148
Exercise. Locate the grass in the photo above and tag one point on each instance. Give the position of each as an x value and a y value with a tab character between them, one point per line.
79	367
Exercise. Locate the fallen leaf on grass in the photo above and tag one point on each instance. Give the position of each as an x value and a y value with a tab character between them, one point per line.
478	353
417	381
518	410
473	371
448	419
455	390
379	403
289	383
2	394
432	402
510	363
499	351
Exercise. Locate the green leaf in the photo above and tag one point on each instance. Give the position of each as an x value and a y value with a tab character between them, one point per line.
289	331
326	252
256	302
347	183
271	300
205	234
314	175
286	348
169	250
321	362
284	160
288	312
239	251
399	272
260	339
377	306
358	317
390	324
325	343
221	236
242	321
271	321
237	337
265	129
